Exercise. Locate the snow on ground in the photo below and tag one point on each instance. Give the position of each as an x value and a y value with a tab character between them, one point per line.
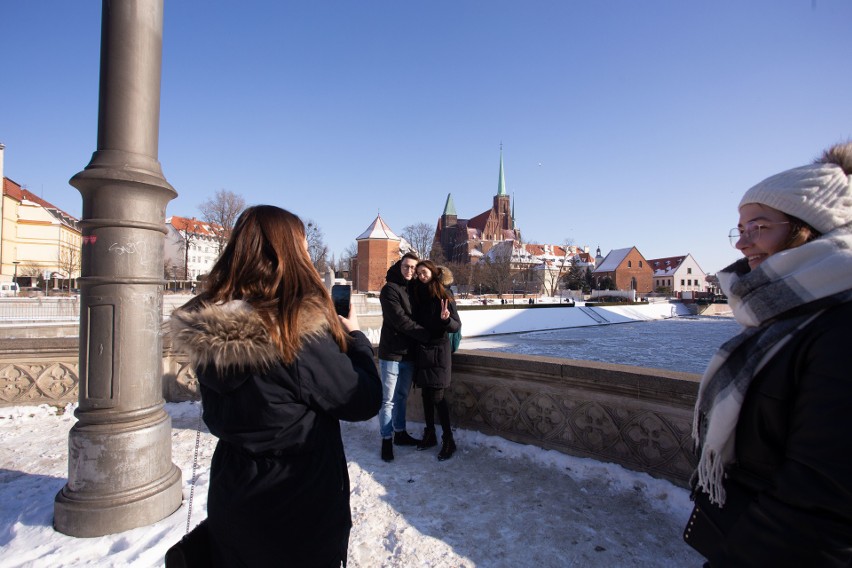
495	504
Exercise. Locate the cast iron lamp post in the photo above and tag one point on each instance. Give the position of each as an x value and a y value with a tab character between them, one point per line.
15	277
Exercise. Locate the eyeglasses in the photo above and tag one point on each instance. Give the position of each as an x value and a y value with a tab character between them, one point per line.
751	231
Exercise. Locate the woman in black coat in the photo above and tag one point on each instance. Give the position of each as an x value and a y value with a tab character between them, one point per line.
277	369
434	309
773	418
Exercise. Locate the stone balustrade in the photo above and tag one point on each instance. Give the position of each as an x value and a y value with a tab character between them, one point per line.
637	417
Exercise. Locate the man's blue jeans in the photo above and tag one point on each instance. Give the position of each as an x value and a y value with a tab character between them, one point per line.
396	383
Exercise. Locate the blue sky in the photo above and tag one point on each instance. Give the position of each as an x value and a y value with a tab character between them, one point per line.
622	122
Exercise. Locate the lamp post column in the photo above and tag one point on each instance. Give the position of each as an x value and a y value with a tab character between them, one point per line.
120	470
15	277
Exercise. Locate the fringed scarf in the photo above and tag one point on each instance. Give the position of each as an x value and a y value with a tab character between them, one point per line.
773	302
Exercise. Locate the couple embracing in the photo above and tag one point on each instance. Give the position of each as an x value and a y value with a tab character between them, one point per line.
418	312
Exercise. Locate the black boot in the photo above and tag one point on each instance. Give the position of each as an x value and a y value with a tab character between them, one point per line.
448	447
404	439
387	449
429	439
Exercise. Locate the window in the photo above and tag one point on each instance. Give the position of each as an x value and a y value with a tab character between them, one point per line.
640	264
629	264
682	282
689	270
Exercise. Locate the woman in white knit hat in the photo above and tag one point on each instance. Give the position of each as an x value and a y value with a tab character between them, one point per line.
773	420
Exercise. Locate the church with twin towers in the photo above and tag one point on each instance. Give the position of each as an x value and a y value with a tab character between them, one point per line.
457	240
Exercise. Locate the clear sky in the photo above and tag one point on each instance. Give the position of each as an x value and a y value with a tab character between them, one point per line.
623	123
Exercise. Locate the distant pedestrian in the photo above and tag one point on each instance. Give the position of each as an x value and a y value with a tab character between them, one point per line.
435	310
773	418
398	336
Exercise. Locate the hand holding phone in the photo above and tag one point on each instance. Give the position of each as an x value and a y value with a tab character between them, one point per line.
341	295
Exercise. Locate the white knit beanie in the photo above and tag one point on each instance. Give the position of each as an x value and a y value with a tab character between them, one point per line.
819	194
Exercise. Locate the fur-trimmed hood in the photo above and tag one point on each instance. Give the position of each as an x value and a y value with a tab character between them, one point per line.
446	276
231	337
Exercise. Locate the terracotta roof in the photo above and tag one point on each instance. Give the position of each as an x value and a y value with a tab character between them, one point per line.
479	221
193	226
15	191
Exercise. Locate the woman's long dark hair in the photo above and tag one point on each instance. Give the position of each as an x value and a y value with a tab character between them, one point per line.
266	264
435	287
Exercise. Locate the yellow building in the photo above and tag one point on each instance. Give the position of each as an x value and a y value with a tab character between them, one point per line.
37	240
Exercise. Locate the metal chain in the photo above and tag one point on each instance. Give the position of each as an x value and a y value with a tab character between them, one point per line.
194	467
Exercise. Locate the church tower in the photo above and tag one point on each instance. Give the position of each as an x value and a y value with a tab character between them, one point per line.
448	226
502	203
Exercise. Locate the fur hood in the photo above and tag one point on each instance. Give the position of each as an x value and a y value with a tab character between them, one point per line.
446	276
232	335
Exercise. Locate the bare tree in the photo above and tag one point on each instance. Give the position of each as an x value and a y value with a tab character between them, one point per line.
31	271
420	235
350	252
316	246
498	268
221	211
189	238
69	263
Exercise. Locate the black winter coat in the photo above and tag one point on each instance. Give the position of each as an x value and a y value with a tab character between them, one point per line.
789	491
399	331
433	358
279	486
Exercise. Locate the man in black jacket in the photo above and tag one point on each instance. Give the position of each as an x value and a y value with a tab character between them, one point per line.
399	333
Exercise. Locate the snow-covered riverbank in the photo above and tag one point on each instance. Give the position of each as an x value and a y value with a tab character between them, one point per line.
477	323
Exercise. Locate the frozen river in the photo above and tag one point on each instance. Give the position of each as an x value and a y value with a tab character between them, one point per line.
678	344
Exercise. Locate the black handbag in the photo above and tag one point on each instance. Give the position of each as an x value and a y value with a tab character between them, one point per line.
702	533
193	550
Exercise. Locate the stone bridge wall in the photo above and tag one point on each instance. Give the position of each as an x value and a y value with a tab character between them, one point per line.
637	417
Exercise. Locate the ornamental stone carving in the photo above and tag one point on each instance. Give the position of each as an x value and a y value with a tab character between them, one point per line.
639	418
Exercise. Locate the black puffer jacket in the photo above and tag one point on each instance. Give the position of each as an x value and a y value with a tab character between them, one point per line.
279	487
399	331
433	358
789	492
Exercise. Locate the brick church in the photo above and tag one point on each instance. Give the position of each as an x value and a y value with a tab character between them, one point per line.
459	240
467	240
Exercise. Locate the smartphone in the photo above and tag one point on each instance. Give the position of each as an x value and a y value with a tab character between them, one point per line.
341	295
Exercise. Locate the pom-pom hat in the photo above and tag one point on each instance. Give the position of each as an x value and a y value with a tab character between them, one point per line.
819	194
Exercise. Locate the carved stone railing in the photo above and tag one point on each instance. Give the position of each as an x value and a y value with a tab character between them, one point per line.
39	371
637	417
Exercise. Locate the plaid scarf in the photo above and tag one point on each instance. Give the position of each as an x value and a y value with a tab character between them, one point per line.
774	302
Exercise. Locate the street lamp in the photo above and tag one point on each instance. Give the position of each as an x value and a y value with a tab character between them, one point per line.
15	277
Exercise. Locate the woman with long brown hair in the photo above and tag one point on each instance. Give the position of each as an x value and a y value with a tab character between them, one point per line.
434	309
277	370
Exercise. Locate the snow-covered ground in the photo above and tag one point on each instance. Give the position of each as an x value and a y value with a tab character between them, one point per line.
495	504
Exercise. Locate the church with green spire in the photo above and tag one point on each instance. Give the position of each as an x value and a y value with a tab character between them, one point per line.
466	240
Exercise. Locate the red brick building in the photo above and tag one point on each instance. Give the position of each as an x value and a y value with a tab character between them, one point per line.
627	269
378	248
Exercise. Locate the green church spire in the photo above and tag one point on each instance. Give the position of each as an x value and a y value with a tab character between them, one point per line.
501	181
450	207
